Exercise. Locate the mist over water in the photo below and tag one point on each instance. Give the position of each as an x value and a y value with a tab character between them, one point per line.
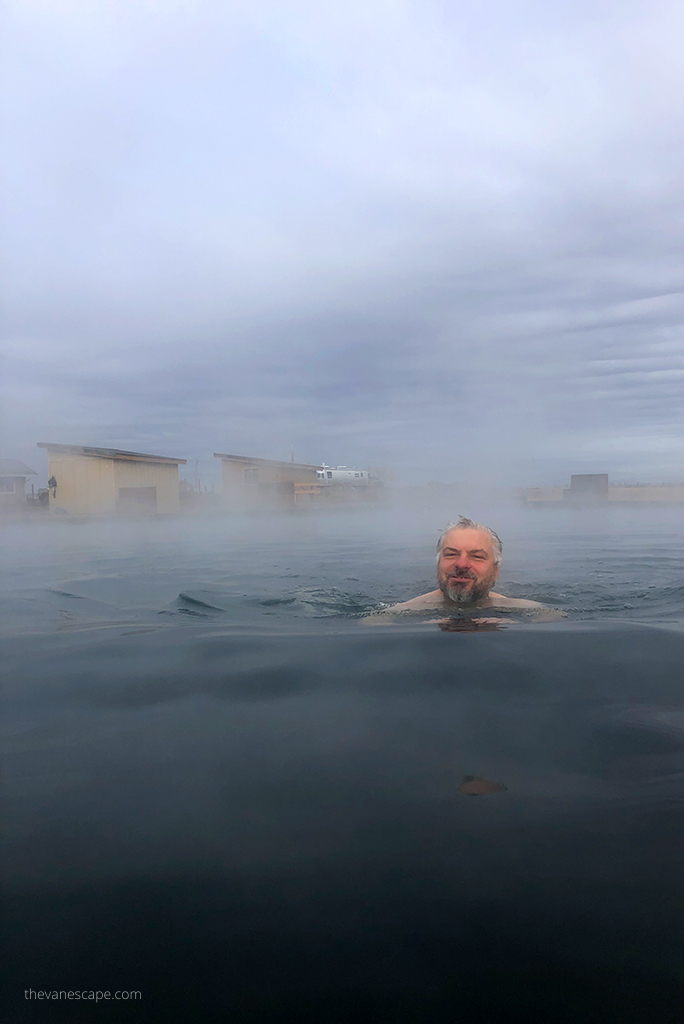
226	791
268	570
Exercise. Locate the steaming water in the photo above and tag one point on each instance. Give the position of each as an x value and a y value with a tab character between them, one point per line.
224	790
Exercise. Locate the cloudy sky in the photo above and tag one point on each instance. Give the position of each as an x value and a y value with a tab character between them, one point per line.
436	235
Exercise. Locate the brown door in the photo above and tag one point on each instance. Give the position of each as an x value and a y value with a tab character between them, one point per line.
136	501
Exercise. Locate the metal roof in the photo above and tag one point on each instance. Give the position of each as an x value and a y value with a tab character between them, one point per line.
108	453
13	467
249	460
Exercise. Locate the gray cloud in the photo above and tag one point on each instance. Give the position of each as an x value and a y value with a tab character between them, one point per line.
443	237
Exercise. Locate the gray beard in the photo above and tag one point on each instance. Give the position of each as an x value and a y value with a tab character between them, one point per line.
458	595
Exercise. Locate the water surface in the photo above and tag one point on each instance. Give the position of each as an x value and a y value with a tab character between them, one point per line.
224	790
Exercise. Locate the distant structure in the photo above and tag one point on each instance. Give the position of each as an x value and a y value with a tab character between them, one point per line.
595	489
251	483
587	488
328	477
13	476
108	481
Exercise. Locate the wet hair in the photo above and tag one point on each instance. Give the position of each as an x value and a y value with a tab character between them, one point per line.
468	524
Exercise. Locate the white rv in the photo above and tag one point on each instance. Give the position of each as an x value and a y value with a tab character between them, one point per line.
342	475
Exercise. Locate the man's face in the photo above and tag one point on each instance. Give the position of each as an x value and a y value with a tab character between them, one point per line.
466	571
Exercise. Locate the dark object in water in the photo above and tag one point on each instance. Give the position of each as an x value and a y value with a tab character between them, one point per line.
475	785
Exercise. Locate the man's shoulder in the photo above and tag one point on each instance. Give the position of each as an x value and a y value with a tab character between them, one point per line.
434	599
542	613
499	601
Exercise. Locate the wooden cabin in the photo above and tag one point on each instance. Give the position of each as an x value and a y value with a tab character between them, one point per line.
108	481
251	483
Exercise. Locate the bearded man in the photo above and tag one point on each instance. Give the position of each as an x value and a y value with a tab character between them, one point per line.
468	561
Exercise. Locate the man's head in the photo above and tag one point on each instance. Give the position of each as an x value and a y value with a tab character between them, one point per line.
468	560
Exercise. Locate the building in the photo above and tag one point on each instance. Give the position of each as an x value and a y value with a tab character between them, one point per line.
107	481
595	488
587	488
251	483
13	476
646	494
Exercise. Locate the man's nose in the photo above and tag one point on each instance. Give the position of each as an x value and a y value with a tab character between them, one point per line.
463	562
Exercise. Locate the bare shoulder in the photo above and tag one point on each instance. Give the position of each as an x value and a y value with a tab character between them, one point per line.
542	612
425	602
419	604
499	601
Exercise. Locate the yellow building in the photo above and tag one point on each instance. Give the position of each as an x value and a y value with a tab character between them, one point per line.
619	494
250	483
107	481
670	494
